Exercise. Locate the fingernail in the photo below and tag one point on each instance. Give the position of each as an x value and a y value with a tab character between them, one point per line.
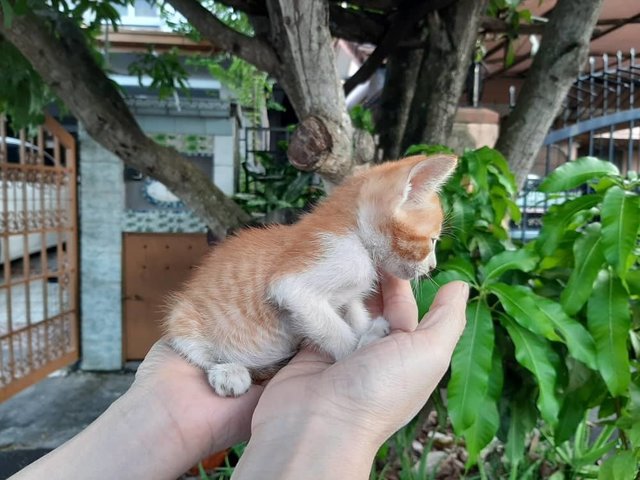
464	290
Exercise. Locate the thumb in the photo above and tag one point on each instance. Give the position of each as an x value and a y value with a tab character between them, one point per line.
446	318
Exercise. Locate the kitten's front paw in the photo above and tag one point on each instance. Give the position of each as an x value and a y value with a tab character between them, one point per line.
229	379
379	328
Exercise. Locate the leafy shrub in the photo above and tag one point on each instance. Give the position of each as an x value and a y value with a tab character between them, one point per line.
553	326
279	186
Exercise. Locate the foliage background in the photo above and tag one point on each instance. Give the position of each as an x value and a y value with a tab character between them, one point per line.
552	338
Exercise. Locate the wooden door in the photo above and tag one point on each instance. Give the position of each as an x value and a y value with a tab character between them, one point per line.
155	264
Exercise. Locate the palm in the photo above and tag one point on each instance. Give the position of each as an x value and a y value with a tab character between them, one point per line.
362	386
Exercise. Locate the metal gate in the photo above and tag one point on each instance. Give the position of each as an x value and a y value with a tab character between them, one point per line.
601	118
38	254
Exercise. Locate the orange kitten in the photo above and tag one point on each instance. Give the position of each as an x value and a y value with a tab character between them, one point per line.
261	294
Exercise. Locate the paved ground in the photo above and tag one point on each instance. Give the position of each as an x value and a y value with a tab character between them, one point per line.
52	411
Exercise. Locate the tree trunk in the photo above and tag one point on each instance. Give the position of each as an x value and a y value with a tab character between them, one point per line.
453	32
300	34
403	67
65	63
298	53
563	50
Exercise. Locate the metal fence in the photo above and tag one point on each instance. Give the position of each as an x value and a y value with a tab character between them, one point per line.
600	117
38	254
262	145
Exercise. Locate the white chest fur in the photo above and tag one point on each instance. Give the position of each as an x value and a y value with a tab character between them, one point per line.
344	272
314	299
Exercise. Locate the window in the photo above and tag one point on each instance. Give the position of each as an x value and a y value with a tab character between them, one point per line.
143	13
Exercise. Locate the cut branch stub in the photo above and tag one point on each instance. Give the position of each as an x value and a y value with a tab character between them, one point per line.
320	145
310	144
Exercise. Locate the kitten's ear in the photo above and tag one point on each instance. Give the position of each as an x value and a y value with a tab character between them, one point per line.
428	174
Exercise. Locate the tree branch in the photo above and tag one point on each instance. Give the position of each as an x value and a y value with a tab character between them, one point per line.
403	67
300	33
357	25
452	35
405	19
250	7
563	51
58	52
252	49
382	5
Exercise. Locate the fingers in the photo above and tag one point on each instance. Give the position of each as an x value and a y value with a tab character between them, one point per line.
446	318
399	304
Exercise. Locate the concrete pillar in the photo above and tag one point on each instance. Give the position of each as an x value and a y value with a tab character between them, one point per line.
101	204
223	164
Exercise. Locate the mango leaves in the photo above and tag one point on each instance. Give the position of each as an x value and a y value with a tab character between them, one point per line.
476	381
573	174
547	318
620	222
609	321
537	356
521	259
588	261
471	366
561	305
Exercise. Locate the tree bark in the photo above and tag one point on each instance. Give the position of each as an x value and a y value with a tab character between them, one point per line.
563	51
300	34
403	23
453	32
57	50
301	59
403	67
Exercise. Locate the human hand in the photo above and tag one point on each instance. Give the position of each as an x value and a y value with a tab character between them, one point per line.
376	390
204	422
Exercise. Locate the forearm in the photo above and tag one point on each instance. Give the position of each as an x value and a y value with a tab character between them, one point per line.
313	449
135	438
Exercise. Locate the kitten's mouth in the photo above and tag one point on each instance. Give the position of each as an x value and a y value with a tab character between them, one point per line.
407	273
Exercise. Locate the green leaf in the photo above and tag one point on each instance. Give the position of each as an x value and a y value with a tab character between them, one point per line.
7	11
609	320
622	466
425	290
620	222
471	367
588	260
579	341
523	260
486	424
573	174
462	218
585	390
488	245
536	355
522	420
519	302
633	282
559	218
427	149
478	170
498	165
463	267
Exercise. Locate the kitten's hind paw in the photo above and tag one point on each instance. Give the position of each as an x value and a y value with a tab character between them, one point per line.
379	328
229	379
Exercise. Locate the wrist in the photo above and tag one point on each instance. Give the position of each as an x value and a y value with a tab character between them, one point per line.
199	423
314	447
